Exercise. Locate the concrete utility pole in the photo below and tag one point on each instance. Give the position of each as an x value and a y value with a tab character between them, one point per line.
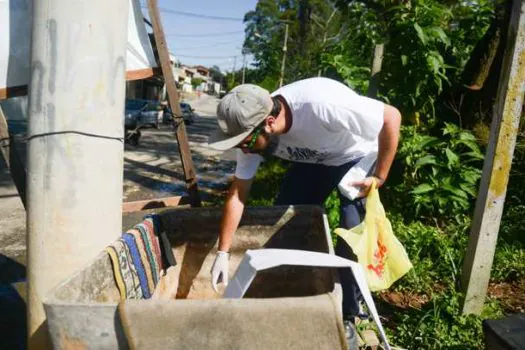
243	66
75	142
283	63
498	160
233	71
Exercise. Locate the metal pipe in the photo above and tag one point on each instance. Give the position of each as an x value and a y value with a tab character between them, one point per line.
75	142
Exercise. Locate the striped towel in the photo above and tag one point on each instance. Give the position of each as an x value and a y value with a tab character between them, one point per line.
154	219
141	246
138	258
154	222
149	245
129	239
153	236
125	274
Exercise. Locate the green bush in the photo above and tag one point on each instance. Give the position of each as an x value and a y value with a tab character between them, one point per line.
440	174
267	182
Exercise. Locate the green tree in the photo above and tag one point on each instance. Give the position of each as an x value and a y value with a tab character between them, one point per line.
195	82
311	23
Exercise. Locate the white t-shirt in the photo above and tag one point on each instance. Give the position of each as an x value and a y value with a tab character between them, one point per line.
331	125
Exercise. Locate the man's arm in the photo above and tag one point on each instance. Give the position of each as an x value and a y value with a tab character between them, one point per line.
388	140
233	209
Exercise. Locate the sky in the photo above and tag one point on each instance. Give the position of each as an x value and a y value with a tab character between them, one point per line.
205	41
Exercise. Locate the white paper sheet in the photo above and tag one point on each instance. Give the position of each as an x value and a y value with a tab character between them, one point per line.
356	173
262	259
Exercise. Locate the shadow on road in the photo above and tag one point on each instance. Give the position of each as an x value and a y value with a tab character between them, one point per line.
13	327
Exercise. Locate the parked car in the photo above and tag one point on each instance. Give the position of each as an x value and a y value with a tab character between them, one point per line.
152	114
188	114
132	112
132	120
142	112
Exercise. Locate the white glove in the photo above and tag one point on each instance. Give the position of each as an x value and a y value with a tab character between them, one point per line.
219	270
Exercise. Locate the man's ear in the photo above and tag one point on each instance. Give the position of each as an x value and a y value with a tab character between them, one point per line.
269	124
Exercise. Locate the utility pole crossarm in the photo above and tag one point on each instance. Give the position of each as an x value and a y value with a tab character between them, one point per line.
173	97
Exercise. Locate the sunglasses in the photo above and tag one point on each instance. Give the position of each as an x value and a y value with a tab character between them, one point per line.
253	139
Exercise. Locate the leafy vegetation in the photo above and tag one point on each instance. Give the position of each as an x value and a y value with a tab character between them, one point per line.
440	68
440	173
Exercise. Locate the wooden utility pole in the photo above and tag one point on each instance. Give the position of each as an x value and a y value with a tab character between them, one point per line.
12	158
496	168
283	63
173	97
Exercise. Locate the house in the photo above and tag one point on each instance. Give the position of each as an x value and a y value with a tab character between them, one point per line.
202	73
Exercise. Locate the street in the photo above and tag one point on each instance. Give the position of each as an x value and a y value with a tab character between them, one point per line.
153	169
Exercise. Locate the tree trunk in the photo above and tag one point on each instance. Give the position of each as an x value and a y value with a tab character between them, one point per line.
470	102
377	62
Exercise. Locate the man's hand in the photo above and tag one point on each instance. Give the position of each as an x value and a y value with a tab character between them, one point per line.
219	270
365	185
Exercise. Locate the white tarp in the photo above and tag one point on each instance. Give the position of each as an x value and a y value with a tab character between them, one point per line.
15	46
262	259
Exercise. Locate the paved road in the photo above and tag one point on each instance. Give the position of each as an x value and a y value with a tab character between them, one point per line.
151	170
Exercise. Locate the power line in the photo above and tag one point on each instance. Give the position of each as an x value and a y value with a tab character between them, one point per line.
206	34
197	15
205	57
205	46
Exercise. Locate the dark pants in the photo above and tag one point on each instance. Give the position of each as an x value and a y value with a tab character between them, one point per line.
312	184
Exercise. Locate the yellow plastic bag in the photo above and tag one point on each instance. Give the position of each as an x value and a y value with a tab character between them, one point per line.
379	252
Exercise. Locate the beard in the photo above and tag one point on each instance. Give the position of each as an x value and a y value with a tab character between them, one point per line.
271	146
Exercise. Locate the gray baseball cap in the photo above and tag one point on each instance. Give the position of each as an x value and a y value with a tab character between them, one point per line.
238	113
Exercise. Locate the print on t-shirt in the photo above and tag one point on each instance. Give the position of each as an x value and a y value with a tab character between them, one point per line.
304	153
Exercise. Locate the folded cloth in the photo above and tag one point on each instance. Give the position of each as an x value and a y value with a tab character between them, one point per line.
273	323
154	223
120	269
134	272
167	253
155	264
125	275
141	246
129	239
155	220
152	229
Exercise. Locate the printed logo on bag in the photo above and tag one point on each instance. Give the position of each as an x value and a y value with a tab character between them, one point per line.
379	260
